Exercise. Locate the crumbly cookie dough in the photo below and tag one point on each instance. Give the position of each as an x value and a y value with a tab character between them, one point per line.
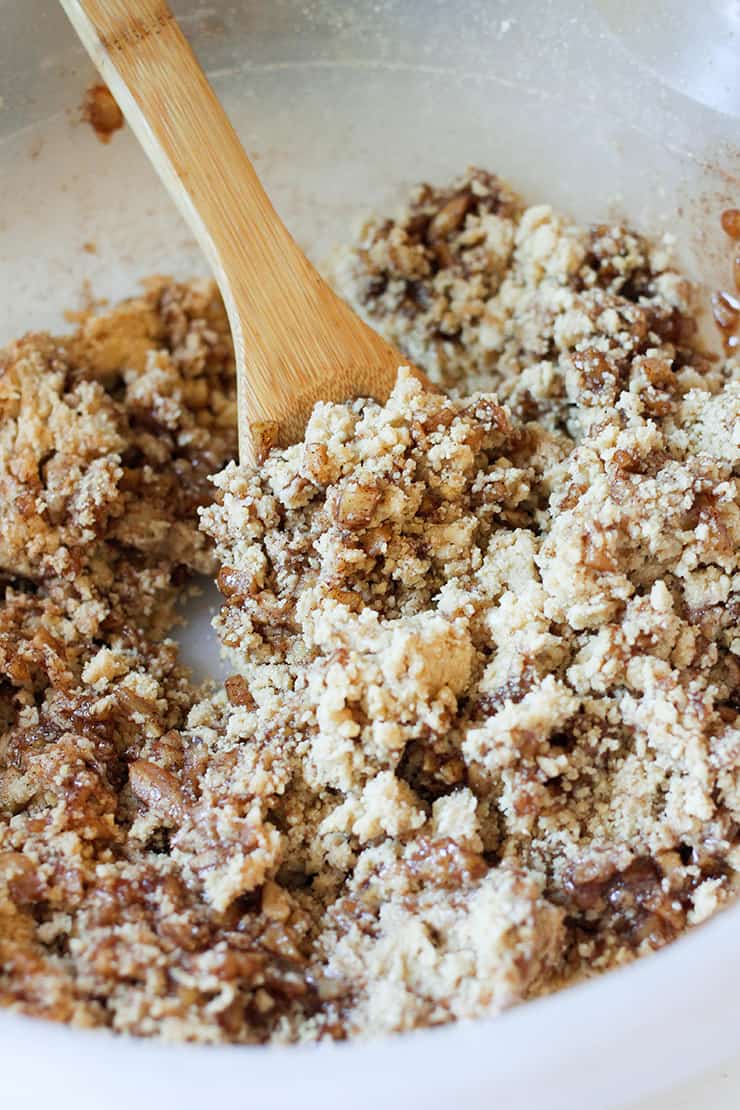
107	440
481	736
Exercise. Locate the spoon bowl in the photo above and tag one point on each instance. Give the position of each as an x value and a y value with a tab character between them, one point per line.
296	342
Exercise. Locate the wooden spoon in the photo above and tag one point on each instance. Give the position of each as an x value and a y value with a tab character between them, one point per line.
296	341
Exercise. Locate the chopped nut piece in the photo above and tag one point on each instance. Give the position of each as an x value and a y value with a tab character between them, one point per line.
157	788
356	505
101	111
264	436
449	218
237	691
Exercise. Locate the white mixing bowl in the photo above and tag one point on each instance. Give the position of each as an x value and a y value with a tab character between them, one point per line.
600	108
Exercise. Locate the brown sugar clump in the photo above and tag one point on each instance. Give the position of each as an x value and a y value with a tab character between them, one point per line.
101	111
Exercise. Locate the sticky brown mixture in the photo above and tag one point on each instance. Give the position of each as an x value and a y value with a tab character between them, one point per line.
100	110
481	736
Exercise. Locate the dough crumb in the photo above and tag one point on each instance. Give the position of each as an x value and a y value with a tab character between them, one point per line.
480	739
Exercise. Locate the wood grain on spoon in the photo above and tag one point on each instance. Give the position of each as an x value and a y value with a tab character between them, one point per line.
296	342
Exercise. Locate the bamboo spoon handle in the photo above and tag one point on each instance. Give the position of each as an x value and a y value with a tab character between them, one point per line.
295	340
